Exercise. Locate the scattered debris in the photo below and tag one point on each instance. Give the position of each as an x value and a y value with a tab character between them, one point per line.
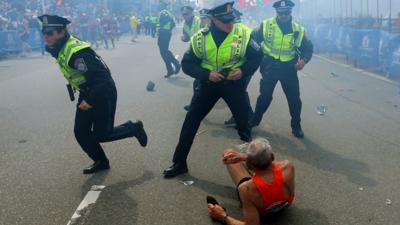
395	106
200	132
388	202
350	90
97	187
22	141
334	74
150	86
321	109
361	188
187	182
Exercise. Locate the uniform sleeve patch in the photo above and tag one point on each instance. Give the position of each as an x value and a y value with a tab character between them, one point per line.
255	45
80	65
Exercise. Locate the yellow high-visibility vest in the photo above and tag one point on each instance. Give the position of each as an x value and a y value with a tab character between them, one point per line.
229	55
73	76
280	46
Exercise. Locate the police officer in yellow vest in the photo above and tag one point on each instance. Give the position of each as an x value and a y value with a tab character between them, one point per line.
287	50
87	73
166	24
191	25
221	57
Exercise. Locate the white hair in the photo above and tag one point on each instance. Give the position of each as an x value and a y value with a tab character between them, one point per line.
259	153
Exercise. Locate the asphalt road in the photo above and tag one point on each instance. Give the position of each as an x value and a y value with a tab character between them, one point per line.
347	166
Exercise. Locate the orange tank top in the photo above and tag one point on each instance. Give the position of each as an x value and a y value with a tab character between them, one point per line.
273	194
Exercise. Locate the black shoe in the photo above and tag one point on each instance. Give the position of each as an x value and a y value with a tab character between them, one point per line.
175	170
187	107
298	132
96	167
211	200
230	122
141	134
177	68
169	74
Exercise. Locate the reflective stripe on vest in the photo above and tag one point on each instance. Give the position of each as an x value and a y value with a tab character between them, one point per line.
229	55
166	26
196	26
279	46
73	76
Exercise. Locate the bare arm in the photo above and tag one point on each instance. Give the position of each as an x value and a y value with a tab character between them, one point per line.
288	173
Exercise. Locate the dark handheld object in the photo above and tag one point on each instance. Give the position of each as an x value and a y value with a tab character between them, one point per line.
150	86
225	72
70	92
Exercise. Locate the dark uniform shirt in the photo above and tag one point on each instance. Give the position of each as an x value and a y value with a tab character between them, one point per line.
98	77
305	50
191	65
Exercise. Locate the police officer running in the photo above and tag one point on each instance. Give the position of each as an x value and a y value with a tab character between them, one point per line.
221	57
166	25
287	50
87	73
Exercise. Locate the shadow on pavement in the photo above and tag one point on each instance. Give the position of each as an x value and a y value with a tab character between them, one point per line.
179	81
311	153
212	188
114	205
297	216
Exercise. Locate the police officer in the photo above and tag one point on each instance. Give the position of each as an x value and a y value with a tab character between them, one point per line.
231	120
166	25
87	73
205	18
221	57
191	24
287	50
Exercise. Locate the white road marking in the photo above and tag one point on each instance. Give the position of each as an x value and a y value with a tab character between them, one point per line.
376	76
90	198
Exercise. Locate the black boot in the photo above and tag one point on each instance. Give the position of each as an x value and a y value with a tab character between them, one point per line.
230	122
169	74
139	132
96	167
177	68
298	132
176	169
187	107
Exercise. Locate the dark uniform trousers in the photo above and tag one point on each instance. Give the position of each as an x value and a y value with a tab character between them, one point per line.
163	43
287	75
233	93
96	125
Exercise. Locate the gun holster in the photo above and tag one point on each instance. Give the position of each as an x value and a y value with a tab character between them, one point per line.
70	92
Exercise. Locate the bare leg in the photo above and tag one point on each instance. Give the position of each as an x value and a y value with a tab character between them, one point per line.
237	172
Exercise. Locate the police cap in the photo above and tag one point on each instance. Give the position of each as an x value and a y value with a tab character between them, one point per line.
237	13
204	13
186	9
53	23
283	6
223	13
